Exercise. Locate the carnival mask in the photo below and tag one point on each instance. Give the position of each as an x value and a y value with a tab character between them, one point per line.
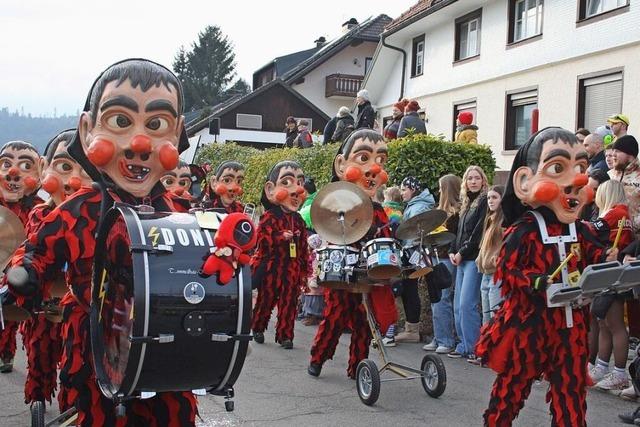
19	173
229	185
364	166
559	182
178	181
288	189
63	176
134	137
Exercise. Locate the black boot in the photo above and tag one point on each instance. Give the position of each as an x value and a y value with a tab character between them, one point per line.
258	337
314	369
287	344
630	417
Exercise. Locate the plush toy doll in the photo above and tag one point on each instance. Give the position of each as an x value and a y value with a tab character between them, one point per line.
234	239
466	131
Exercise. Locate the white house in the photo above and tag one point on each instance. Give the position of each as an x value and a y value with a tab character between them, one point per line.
574	61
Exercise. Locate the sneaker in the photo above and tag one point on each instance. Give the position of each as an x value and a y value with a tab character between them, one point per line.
474	360
389	342
6	367
629	394
597	373
286	344
613	382
630	417
258	337
455	355
443	350
432	346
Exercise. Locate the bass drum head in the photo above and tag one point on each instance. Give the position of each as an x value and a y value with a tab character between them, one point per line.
113	306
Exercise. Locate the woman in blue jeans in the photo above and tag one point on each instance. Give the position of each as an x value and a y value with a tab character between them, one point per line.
462	254
442	311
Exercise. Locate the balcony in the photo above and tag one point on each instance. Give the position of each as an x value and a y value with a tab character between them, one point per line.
342	85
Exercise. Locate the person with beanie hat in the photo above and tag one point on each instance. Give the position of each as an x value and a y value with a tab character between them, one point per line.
411	120
391	130
344	125
627	170
466	130
366	114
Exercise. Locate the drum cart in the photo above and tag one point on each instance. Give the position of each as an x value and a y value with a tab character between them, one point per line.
432	372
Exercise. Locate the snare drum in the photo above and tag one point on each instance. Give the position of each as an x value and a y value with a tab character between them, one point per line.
156	324
331	262
383	257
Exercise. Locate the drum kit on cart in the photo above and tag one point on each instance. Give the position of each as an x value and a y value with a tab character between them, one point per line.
342	214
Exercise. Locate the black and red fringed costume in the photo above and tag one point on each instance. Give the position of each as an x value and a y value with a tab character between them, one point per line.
8	334
68	235
527	339
344	309
279	275
215	202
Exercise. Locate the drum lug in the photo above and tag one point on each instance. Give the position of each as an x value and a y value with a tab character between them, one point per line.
232	337
147	394
160	339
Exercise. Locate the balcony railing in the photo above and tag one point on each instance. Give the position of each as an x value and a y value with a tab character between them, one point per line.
342	85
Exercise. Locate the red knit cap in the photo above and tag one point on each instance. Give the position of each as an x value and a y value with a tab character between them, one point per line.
465	117
412	106
401	104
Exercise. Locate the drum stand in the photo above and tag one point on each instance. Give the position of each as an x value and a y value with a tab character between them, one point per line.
432	372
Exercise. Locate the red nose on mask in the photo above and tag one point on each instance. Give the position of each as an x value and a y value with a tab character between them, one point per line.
100	152
581	180
75	183
179	191
141	144
14	171
236	189
50	184
375	169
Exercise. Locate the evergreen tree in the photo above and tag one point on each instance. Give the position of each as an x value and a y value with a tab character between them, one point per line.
207	70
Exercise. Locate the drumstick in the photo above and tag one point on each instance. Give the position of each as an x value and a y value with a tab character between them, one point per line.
561	266
619	233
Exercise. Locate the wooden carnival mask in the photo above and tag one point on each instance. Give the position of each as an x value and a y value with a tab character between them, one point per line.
20	169
227	182
285	186
361	161
61	174
556	177
178	181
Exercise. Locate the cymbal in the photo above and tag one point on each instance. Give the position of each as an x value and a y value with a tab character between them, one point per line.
11	235
14	313
335	201
439	239
421	224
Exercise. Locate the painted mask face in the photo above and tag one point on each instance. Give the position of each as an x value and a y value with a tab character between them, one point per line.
178	181
288	190
560	182
19	173
364	166
63	176
135	135
229	186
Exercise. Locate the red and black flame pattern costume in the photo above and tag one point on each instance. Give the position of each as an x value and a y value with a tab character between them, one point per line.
215	202
279	276
345	309
8	334
527	339
67	235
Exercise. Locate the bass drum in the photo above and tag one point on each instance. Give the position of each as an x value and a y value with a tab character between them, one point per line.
156	324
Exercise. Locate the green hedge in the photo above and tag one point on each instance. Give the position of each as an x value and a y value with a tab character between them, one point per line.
426	157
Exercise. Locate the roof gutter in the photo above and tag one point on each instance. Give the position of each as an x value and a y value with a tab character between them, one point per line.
404	62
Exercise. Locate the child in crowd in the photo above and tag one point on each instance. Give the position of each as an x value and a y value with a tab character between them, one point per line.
609	308
393	206
489	249
313	301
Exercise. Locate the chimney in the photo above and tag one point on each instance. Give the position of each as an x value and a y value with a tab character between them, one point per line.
320	41
350	24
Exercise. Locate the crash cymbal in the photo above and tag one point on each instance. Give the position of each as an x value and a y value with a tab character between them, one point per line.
342	200
11	235
421	224
14	313
439	239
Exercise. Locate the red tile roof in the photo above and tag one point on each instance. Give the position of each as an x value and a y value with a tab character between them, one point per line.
414	10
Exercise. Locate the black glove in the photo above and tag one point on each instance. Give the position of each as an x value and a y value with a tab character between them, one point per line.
539	282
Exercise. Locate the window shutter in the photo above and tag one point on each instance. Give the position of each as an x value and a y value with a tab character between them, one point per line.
603	98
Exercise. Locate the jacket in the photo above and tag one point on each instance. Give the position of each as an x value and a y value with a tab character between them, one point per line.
366	116
467	133
630	178
344	127
304	139
391	130
411	120
291	136
421	203
470	229
598	162
329	129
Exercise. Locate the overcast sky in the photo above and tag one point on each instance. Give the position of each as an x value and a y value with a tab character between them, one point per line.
52	50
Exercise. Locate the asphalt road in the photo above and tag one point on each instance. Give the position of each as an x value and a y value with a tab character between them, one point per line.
275	390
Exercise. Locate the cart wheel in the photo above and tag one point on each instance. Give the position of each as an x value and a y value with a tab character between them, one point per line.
434	379
37	414
368	381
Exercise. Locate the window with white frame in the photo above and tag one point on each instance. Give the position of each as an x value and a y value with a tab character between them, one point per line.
417	56
596	7
468	35
599	97
526	19
248	121
519	120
